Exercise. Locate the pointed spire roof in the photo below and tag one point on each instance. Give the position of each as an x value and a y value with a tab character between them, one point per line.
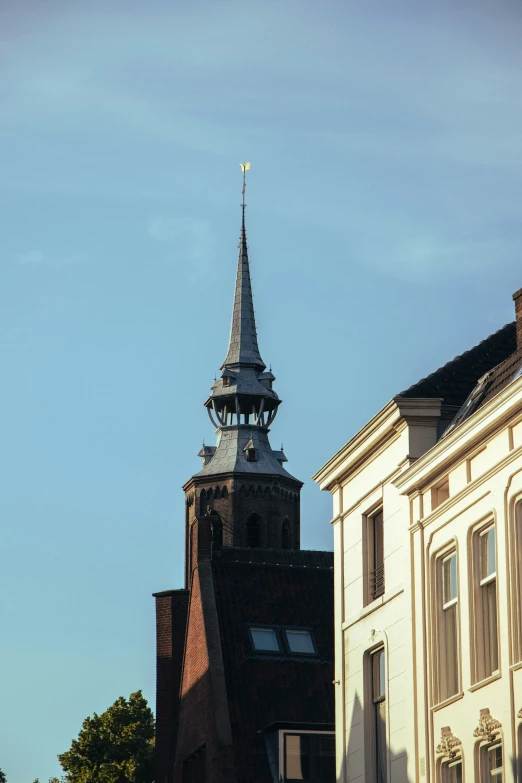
242	347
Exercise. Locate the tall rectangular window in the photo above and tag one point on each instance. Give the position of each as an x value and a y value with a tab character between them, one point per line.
448	627
487	574
517	580
452	772
378	692
376	555
492	763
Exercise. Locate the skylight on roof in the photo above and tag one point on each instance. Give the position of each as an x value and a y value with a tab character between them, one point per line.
265	640
300	642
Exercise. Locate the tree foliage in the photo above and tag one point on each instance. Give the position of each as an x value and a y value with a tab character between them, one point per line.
114	747
3	778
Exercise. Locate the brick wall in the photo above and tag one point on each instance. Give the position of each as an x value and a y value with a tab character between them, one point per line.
197	717
272	498
171	621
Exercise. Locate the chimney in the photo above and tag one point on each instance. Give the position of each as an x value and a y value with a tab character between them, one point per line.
517	296
171	624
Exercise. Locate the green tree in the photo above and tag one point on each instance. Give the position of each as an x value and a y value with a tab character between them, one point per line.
3	778
114	747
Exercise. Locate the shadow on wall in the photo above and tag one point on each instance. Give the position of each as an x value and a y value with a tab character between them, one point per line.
367	746
364	749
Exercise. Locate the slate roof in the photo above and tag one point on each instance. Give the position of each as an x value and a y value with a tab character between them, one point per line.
243	347
230	455
456	380
283	588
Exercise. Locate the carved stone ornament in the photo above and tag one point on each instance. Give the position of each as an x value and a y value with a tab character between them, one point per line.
519	714
449	744
487	727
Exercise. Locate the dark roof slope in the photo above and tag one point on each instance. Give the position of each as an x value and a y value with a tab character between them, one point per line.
273	587
455	381
502	376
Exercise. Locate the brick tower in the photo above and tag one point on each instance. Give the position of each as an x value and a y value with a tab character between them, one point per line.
243	496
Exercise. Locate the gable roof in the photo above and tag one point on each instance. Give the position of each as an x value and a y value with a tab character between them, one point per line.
278	588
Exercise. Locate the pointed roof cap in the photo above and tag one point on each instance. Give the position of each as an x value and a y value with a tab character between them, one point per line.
242	347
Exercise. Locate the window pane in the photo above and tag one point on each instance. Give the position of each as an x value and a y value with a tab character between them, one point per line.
379	683
265	639
449	578
297	757
300	642
495	764
326	759
488	553
377	564
380	737
452	773
450	678
491	599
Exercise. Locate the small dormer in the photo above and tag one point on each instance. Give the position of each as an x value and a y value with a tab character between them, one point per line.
251	451
280	456
206	453
228	378
266	378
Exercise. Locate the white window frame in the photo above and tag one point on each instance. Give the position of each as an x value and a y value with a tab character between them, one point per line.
369	559
370	738
515	524
439	640
482	665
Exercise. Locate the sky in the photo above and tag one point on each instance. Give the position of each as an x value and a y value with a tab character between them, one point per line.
385	238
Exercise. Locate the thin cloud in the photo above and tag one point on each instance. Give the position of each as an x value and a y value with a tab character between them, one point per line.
35	258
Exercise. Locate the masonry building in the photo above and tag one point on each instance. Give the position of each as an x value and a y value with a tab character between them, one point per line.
428	590
245	648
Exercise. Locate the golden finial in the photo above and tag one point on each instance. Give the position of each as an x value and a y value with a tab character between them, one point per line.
244	168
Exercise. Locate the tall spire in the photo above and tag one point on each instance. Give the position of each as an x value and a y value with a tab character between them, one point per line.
242	347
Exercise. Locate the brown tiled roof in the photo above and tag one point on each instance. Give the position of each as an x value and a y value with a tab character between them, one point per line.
279	588
455	381
502	376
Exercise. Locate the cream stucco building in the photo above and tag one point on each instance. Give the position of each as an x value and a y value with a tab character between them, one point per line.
427	522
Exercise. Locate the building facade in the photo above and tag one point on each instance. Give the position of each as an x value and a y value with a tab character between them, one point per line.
428	577
245	649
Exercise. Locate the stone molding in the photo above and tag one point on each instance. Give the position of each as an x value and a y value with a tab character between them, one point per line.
488	726
449	745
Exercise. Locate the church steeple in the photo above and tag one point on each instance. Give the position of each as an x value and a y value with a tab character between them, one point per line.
243	347
243	488
243	403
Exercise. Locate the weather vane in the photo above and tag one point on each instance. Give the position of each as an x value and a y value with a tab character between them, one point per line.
244	169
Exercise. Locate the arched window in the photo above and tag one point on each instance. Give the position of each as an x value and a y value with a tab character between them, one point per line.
254	531
286	535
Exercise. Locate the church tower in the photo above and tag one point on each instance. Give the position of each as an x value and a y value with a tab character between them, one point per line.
244	652
243	496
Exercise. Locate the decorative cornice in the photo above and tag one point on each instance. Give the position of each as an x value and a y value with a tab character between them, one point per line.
449	745
488	726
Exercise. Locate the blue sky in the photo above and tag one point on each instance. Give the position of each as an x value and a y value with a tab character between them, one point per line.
385	237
